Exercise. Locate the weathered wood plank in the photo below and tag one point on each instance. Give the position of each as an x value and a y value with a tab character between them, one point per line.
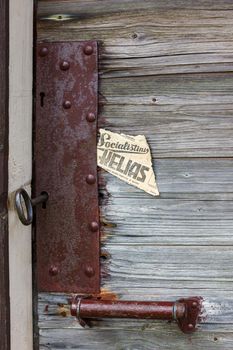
171	266
172	136
182	116
165	337
180	40
4	121
102	7
202	179
207	90
167	221
54	309
20	165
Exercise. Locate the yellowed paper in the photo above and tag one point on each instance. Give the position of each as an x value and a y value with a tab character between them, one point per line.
127	157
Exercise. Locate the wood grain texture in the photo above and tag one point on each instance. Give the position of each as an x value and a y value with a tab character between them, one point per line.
4	121
54	316
20	163
159	338
181	115
178	178
165	72
167	221
146	39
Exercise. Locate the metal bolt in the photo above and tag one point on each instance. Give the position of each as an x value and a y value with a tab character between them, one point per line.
89	271
90	179
94	226
67	104
88	50
53	271
190	326
43	51
180	310
90	117
194	304
64	65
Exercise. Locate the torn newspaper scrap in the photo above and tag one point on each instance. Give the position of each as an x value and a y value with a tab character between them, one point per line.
127	157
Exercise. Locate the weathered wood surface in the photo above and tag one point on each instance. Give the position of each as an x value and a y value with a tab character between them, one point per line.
180	178
4	121
188	118
166	72
184	38
181	115
20	165
167	221
121	340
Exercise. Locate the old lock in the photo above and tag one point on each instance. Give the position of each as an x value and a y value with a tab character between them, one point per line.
27	208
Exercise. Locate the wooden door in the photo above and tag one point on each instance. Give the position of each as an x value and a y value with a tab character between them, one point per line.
165	71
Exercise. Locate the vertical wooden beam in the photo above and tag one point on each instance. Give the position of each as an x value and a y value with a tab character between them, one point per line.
4	256
19	165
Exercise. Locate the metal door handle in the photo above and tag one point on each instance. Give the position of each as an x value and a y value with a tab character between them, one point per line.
29	204
186	312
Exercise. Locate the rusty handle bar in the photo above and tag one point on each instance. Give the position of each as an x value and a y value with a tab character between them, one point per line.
129	309
184	311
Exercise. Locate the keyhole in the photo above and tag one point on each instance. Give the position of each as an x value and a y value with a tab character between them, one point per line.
44	203
42	96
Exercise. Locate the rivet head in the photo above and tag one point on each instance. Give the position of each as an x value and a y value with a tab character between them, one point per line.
67	104
43	51
88	50
194	304
53	271
89	271
190	326
64	65
90	117
90	179
94	226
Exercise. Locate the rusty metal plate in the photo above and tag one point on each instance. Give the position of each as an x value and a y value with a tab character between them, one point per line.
65	166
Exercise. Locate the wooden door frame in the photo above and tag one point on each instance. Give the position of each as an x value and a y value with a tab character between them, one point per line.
16	48
4	122
19	170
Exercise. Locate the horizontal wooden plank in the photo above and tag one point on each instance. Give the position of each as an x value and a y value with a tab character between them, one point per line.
193	179
54	309
162	336
102	7
141	38
171	266
167	221
182	116
185	90
172	136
